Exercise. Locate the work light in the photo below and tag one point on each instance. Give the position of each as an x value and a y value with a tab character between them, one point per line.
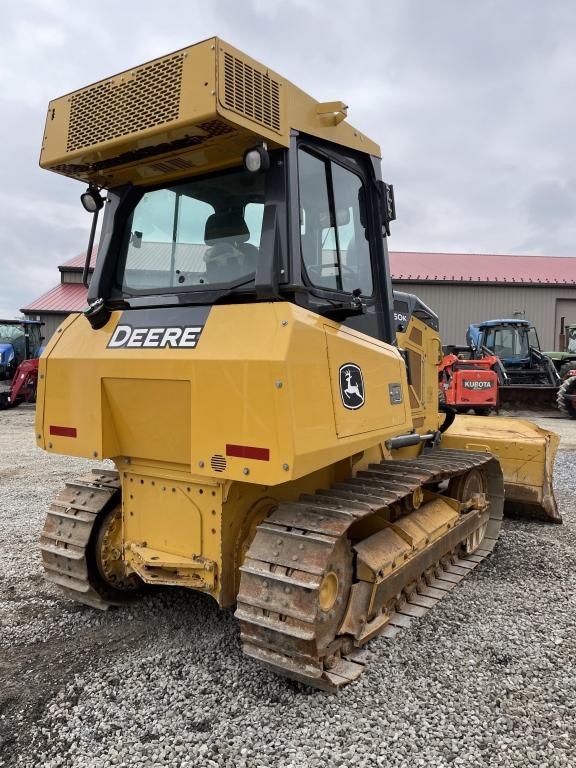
257	159
91	199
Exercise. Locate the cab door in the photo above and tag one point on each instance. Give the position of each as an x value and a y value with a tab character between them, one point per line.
342	250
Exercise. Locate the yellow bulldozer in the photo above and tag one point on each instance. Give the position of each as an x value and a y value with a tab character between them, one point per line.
270	406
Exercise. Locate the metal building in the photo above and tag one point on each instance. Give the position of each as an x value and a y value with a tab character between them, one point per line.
66	297
462	288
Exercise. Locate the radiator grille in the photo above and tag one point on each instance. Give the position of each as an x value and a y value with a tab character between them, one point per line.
149	96
251	93
212	129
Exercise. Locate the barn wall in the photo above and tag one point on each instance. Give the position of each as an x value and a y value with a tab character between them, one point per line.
458	305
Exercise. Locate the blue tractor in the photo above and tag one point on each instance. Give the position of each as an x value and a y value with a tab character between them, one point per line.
19	340
530	378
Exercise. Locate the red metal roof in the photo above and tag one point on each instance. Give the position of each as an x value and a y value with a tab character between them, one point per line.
482	268
78	261
65	297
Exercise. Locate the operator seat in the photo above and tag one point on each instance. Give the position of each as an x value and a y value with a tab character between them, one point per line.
359	266
229	255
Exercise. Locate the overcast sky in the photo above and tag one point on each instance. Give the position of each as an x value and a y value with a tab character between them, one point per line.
473	104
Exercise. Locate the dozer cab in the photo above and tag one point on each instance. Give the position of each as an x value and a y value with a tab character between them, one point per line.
273	422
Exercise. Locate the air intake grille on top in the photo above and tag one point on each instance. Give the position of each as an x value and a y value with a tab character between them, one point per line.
251	93
147	97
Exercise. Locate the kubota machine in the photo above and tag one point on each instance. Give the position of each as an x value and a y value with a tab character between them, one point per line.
273	419
468	384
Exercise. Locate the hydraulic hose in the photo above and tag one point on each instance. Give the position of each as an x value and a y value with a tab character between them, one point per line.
449	418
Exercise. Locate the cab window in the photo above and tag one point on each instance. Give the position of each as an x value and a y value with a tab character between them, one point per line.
508	342
194	234
335	249
533	339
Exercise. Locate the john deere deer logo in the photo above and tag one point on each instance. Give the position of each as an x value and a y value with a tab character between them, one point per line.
351	386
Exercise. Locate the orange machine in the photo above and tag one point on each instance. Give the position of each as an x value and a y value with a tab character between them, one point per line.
469	384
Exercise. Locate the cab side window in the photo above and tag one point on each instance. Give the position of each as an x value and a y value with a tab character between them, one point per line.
533	338
335	250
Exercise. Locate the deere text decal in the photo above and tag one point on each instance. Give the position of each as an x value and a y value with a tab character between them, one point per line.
126	336
151	328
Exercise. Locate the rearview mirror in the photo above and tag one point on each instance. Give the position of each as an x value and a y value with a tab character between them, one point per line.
342	218
387	204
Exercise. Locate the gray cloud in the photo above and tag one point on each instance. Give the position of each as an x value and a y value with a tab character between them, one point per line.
472	104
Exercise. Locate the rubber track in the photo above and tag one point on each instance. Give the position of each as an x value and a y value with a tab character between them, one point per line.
67	532
281	576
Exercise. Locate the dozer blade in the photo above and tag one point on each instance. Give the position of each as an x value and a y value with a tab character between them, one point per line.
526	453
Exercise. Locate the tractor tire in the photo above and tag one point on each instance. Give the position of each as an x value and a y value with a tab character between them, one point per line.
565	369
566	393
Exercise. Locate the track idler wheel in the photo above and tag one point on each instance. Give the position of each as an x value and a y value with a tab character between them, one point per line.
107	570
470	489
333	592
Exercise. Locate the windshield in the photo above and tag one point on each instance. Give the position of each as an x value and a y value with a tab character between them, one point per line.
15	335
508	342
199	233
8	333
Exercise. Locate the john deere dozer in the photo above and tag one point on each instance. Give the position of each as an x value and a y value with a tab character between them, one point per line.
273	422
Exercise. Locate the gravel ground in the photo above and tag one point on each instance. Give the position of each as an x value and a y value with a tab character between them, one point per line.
488	678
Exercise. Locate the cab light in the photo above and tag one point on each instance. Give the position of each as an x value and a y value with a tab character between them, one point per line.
257	159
